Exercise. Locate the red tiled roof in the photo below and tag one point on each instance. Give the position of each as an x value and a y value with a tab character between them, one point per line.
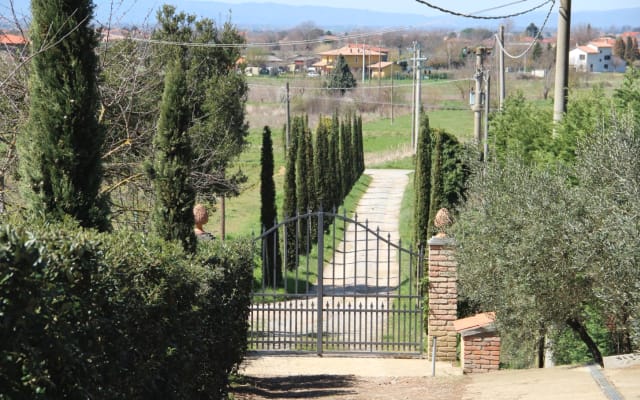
10	39
383	64
477	321
347	50
588	49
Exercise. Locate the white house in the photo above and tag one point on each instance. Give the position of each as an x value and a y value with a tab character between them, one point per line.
597	56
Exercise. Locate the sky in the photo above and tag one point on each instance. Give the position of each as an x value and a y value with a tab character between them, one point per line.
463	6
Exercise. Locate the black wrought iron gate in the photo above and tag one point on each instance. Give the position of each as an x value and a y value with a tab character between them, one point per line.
341	287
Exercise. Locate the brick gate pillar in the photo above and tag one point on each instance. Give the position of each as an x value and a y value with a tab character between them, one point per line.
443	297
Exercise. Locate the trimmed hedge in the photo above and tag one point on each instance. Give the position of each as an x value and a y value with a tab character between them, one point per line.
119	316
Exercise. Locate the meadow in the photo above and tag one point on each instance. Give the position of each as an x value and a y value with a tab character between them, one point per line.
387	140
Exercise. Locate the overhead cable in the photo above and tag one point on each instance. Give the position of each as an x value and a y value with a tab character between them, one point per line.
458	14
533	42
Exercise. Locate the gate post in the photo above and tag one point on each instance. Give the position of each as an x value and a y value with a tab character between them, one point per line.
320	246
443	297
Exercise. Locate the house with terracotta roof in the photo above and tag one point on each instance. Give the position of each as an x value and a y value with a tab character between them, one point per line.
596	56
355	55
10	41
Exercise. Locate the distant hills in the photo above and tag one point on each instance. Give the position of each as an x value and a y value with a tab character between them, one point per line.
278	16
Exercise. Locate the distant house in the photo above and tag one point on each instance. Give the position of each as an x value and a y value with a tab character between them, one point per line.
596	56
355	56
11	42
382	69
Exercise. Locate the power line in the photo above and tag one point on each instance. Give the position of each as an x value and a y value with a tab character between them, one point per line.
535	40
458	14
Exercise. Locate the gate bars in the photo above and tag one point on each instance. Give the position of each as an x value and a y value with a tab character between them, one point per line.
354	291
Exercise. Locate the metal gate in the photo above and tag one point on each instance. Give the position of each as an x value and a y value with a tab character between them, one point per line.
341	287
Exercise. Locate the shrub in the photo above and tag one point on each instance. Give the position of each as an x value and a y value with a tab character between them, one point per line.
119	316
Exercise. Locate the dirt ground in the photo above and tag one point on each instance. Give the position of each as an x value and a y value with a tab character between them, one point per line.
350	387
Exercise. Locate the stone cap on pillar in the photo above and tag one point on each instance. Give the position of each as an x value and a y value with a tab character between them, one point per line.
441	241
479	323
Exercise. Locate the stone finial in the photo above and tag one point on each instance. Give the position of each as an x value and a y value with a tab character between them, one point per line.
442	221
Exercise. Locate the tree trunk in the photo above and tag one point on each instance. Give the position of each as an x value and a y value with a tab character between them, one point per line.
579	328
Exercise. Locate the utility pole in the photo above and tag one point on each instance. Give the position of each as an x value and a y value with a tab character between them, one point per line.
288	132
562	62
487	103
413	97
503	92
477	102
418	99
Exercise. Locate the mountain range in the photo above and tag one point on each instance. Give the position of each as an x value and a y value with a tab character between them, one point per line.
279	16
263	16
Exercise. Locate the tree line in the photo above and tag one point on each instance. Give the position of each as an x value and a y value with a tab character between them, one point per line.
321	169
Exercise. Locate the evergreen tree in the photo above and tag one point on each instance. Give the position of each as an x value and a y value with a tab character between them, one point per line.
345	156
290	200
340	77
175	197
335	161
422	184
355	151
629	51
302	189
619	47
436	195
322	169
60	150
272	259
312	199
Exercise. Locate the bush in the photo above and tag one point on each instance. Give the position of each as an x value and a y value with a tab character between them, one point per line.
119	316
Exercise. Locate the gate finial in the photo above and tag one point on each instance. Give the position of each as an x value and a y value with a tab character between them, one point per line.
442	221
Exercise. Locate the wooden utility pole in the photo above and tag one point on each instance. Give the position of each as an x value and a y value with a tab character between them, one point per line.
503	92
561	91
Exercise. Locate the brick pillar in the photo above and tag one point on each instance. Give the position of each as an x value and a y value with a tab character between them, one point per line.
443	298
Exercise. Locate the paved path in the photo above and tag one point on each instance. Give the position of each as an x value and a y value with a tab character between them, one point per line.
359	281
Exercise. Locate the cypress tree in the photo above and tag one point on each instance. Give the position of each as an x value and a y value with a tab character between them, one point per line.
436	200
422	184
290	199
60	150
334	163
322	170
345	155
355	150
272	261
629	50
619	48
312	199
302	189
360	146
175	197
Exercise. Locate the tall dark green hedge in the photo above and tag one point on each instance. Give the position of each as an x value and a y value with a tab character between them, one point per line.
60	150
272	259
119	316
171	170
422	183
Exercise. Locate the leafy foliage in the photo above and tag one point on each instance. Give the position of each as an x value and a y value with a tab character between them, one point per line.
422	184
119	316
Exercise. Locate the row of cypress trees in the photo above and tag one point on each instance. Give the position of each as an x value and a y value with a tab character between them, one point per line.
321	169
